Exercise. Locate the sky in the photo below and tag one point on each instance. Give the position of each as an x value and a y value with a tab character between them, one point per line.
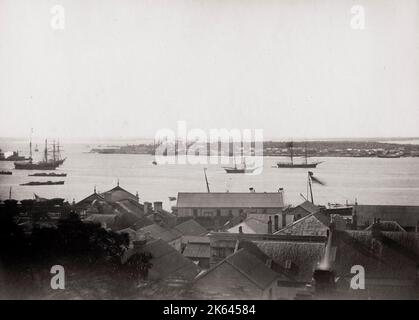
122	69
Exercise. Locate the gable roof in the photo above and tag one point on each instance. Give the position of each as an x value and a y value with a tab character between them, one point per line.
387	226
117	193
197	250
191	228
305	256
230	200
391	255
315	224
309	207
89	199
251	225
406	216
166	261
249	267
159	232
131	206
108	219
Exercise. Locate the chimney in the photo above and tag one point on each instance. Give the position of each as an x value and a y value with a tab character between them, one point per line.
158	206
284	220
147	206
270	225
376	228
354	221
276	222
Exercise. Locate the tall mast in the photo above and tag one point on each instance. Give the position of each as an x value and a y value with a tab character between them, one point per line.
30	145
58	150
291	145
206	180
46	151
309	187
53	151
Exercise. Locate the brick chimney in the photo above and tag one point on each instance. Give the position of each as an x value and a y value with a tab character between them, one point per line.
270	225
158	206
376	228
354	221
284	220
276	223
147	206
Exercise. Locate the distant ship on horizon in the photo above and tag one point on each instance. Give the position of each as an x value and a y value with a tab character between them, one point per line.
291	164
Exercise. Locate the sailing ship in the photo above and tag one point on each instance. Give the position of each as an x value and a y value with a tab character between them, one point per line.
45	164
239	169
291	164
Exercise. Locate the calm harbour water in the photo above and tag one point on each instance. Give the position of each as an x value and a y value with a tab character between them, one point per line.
369	180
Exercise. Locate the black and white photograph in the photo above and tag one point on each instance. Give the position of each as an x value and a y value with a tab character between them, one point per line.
209	150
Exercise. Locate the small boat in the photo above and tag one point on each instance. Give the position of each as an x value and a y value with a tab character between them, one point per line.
51	174
6	172
43	183
154	162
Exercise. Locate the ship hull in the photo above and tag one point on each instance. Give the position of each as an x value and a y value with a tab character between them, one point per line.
47	183
300	165
35	166
48	175
234	170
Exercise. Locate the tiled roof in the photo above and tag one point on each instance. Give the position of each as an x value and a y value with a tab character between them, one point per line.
251	225
252	267
108	219
166	261
118	193
195	239
315	224
230	200
309	207
159	232
197	250
304	256
191	228
249	267
388	226
387	255
406	216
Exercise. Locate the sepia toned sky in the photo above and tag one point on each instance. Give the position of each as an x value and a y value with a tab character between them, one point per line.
129	68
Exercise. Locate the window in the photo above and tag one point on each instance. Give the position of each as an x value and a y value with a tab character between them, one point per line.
195	212
288	264
218	212
207	214
230	213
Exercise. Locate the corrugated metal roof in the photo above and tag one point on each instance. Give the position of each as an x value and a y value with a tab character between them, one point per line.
230	200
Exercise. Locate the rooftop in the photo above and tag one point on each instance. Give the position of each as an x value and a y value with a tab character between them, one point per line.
230	200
